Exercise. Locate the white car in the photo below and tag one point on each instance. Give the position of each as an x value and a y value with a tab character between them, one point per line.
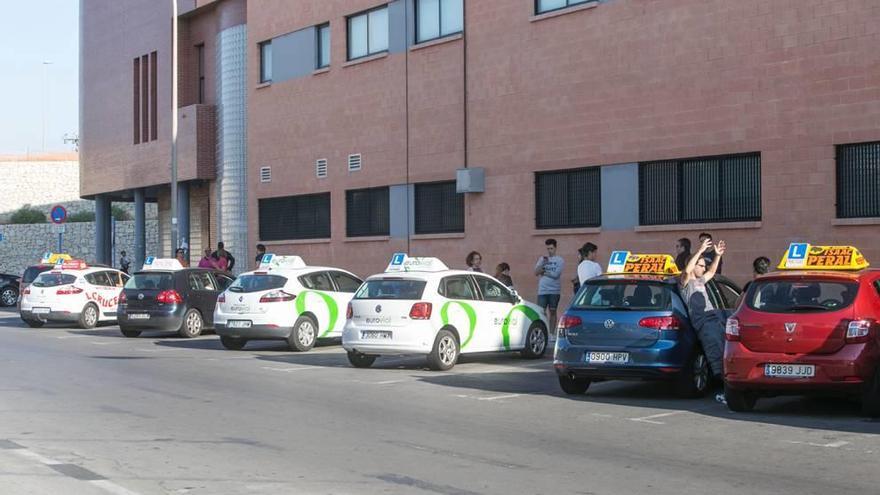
73	292
419	306
284	300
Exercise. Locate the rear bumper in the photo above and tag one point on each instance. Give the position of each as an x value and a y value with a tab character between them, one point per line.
415	338
845	370
62	316
663	360
255	332
160	320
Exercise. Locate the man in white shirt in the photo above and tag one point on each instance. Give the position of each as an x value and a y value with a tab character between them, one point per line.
588	268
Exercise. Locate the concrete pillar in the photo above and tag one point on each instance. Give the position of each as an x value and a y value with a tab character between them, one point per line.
183	230
102	229
140	230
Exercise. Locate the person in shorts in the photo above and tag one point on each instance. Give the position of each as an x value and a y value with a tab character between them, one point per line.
548	269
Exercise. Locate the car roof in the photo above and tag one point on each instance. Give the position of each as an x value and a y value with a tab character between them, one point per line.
425	275
296	272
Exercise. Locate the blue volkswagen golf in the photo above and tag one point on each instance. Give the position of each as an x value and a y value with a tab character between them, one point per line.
632	324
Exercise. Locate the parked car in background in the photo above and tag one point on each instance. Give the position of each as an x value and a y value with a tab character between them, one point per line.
9	287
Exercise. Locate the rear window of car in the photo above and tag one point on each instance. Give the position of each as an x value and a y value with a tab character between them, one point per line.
257	283
796	296
391	288
30	274
635	295
150	281
54	279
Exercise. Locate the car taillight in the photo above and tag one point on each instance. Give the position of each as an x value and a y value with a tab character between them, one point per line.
68	291
349	312
277	296
731	330
858	331
660	322
421	311
565	323
26	291
221	298
122	297
169	297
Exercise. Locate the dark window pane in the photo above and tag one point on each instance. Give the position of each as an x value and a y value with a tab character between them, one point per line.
295	217
438	208
568	198
858	180
366	212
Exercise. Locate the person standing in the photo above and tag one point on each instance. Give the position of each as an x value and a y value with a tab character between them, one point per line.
760	266
222	252
124	262
474	261
588	268
682	253
548	270
208	261
502	273
180	255
261	250
711	253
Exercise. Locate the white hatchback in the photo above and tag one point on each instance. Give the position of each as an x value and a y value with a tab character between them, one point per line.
73	292
419	306
284	300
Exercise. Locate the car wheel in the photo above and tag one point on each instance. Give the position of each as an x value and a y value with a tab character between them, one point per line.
573	386
88	319
694	380
360	360
129	332
444	355
536	342
35	323
304	334
8	296
871	396
740	400
192	324
232	343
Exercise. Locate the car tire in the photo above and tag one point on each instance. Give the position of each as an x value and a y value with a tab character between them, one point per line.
8	296
536	342
129	332
88	318
232	343
360	360
871	396
740	400
192	324
573	386
304	334
34	323
694	380
445	352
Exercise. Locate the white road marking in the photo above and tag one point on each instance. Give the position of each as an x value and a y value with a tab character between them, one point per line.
831	445
496	397
287	370
104	343
600	415
389	382
106	485
111	487
35	457
651	418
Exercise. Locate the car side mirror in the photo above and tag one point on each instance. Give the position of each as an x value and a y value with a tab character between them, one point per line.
514	297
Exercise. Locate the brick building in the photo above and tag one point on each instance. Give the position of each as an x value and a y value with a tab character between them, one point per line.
628	123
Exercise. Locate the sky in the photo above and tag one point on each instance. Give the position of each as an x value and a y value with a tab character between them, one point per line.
31	32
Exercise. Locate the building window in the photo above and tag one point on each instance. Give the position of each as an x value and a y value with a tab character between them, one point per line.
544	6
368	33
697	190
322	54
367	212
438	18
568	198
200	61
136	100
858	180
145	99
266	62
438	208
295	217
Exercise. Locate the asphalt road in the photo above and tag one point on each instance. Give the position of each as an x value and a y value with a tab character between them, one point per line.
92	412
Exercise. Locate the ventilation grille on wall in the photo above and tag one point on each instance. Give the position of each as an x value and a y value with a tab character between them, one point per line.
265	174
321	168
354	162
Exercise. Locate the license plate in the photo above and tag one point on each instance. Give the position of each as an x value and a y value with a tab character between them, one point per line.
138	316
240	308
41	311
608	357
239	324
375	334
790	370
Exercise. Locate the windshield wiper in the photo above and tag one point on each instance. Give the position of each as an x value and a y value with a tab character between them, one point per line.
236	289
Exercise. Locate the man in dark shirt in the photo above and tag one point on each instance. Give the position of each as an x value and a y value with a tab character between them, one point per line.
261	250
220	251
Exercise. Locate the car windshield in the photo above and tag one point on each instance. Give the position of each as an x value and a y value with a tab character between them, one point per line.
257	283
150	281
54	279
30	274
396	288
624	295
794	296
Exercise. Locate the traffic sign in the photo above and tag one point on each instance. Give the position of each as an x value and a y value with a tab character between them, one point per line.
58	214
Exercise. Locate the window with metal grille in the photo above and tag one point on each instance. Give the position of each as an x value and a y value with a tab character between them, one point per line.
295	217
354	162
367	212
321	168
568	198
858	180
438	208
696	190
265	174
544	6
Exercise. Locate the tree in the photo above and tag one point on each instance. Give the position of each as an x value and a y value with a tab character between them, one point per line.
28	214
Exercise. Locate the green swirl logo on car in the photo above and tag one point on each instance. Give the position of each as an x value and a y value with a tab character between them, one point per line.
529	313
471	314
332	308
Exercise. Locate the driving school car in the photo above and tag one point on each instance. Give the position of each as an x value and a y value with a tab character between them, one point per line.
284	299
420	306
74	292
632	324
811	327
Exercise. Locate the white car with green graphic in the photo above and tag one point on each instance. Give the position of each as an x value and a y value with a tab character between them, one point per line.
419	306
284	299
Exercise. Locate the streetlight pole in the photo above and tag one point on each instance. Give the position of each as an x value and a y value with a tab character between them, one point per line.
174	224
46	64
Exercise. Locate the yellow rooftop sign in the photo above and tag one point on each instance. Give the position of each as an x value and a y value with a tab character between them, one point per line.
803	256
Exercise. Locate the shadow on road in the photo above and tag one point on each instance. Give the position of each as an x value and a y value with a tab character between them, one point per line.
213	343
